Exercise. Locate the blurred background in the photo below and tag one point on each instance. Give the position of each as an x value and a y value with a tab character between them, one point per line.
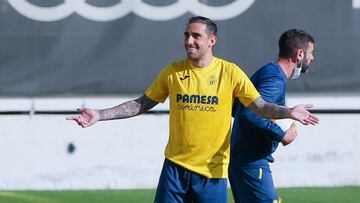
56	56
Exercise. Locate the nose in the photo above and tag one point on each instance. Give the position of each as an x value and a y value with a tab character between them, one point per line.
312	56
189	40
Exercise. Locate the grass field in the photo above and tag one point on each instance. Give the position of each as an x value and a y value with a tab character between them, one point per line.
288	195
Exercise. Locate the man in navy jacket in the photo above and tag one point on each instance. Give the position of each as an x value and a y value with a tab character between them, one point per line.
254	138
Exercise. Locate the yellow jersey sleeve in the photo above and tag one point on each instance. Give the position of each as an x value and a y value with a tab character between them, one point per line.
158	90
244	90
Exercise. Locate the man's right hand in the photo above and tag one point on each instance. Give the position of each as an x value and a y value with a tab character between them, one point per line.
290	134
86	118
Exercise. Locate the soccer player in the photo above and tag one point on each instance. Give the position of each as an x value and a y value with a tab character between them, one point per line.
201	89
254	138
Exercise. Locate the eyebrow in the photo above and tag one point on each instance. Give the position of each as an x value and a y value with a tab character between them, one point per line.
197	34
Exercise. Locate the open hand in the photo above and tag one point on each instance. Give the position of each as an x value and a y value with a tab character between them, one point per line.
86	118
300	113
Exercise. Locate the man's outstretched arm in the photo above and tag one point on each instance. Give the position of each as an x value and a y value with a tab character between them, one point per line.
270	110
88	117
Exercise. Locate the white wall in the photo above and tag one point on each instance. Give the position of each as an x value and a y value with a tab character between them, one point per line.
113	154
324	155
129	153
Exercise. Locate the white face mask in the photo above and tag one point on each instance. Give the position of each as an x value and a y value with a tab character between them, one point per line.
297	71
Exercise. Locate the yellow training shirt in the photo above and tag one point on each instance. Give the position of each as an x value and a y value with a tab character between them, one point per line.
200	112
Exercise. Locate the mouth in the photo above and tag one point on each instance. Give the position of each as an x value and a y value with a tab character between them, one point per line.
191	49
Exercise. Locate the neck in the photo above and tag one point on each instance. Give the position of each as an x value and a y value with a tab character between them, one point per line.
202	62
286	65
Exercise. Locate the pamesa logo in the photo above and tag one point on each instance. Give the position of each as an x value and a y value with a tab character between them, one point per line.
197	99
195	102
124	7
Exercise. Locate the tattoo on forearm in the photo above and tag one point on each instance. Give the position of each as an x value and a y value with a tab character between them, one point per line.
124	110
128	109
269	110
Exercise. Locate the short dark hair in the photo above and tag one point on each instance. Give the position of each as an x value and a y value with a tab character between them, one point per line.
211	27
292	40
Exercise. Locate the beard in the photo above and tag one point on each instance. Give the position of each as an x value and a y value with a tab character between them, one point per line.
305	65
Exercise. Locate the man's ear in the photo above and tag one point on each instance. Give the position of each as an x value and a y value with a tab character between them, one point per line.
213	40
297	56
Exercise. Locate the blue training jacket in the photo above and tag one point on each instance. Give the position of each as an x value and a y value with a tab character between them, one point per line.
253	138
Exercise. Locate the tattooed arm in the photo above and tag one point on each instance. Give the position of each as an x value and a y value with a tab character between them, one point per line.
88	117
270	110
128	109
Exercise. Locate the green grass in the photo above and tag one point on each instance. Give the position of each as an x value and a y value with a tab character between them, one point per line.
320	195
78	196
288	195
